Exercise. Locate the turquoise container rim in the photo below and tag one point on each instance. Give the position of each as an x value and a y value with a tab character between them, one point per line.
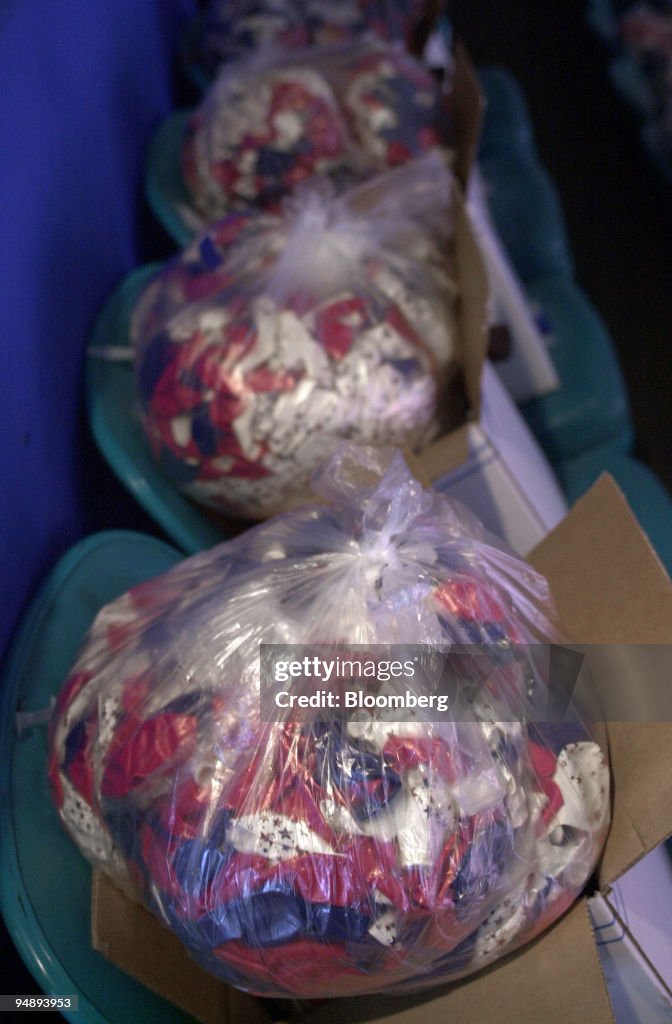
110	400
16	685
535	236
166	191
592	408
506	123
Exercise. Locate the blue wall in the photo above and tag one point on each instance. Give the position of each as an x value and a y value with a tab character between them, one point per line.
83	83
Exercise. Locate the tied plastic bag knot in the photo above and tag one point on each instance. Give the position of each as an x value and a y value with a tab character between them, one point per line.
329	234
324	241
379	554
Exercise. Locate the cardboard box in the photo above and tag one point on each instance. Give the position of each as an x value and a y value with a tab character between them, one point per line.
526	369
524	365
489	459
642	900
492	462
636	928
495	466
610	588
637	990
468	110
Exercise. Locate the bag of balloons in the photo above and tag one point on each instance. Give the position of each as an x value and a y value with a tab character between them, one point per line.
353	852
272	339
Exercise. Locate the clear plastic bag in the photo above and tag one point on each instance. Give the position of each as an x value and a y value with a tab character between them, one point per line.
271	339
277	119
231	29
350	854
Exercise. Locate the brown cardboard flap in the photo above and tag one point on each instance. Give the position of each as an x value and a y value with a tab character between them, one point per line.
468	105
610	587
444	455
641	766
133	939
555	980
608	582
626	930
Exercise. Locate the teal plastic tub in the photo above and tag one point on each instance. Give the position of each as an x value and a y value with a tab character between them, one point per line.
110	395
591	407
521	195
45	883
166	192
527	213
507	124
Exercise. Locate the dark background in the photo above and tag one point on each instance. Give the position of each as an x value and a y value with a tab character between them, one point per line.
617	206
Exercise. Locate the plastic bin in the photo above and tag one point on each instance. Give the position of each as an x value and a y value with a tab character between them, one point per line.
591	407
117	430
45	883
